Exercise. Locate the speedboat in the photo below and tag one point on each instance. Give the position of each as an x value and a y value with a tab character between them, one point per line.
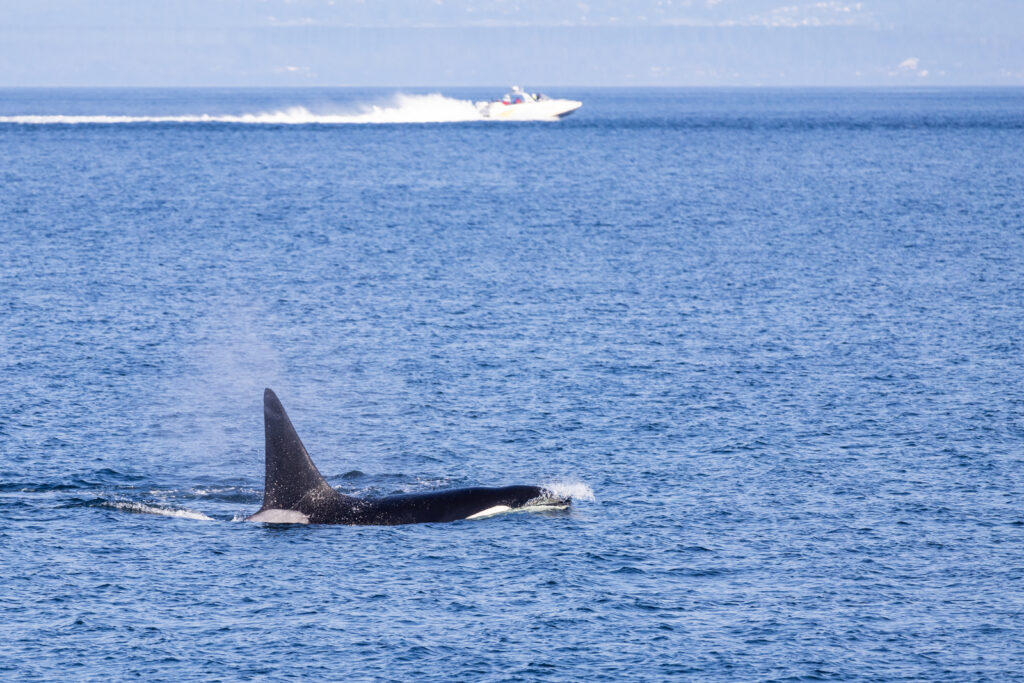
521	105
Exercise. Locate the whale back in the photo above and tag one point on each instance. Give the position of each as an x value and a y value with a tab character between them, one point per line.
296	493
291	476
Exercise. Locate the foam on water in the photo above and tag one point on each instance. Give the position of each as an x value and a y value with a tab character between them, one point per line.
570	489
402	108
141	508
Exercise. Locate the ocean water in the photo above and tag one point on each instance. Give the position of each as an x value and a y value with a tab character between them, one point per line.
773	340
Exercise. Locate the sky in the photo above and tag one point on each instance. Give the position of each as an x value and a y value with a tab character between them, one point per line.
425	43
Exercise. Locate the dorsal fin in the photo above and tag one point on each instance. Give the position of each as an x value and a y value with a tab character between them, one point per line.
291	475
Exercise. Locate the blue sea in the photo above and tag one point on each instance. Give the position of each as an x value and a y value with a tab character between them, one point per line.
771	340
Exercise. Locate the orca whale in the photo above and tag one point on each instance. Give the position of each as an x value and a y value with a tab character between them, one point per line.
295	492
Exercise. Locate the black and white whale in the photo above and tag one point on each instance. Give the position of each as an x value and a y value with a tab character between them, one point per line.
295	492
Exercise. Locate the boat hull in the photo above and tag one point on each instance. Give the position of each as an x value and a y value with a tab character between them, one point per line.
528	111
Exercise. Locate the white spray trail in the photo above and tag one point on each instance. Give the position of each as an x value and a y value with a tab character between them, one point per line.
434	108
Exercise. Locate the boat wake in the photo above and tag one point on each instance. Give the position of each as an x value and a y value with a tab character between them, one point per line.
402	108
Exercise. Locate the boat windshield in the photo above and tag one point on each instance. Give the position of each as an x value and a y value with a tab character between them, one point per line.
519	96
